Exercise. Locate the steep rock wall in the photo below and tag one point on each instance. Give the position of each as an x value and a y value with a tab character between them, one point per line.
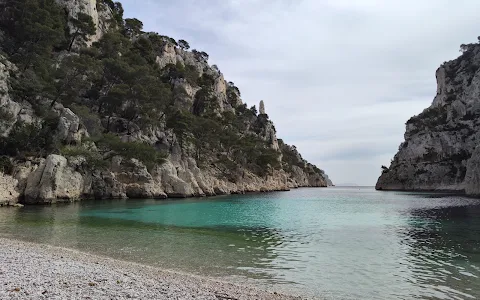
100	13
439	148
186	92
55	178
8	190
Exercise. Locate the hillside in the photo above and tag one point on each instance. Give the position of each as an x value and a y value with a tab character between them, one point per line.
440	151
94	107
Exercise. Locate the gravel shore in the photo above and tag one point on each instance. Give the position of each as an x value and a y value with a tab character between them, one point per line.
34	271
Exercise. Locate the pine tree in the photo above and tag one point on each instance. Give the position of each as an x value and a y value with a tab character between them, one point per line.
83	27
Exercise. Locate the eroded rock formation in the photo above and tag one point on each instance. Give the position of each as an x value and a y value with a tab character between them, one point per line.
440	151
50	177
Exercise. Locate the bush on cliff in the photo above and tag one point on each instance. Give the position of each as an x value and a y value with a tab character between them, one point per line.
117	78
31	140
138	150
94	159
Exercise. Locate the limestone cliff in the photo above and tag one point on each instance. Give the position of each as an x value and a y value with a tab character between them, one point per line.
8	190
100	13
440	151
52	143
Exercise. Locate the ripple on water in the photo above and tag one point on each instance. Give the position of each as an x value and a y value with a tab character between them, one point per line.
336	243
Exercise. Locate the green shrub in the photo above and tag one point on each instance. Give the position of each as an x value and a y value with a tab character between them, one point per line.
31	140
90	120
430	117
145	153
93	158
385	170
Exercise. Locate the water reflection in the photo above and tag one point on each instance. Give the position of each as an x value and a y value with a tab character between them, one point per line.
241	252
444	251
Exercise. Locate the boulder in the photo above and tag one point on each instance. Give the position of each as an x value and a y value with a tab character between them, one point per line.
70	129
55	180
136	180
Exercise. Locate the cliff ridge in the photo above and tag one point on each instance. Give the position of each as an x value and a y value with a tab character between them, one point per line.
101	109
441	148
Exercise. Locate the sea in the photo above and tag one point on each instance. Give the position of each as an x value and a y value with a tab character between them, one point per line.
325	243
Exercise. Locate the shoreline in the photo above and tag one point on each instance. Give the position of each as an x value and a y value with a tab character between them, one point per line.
426	191
22	203
39	271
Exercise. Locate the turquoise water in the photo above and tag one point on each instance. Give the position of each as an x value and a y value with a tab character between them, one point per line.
337	243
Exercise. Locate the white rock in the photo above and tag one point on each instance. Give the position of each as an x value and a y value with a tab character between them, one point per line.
89	7
262	108
8	190
54	180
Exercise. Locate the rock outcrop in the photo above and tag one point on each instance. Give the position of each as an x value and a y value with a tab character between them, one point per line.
70	129
101	15
261	108
8	190
185	92
11	112
440	151
472	178
54	180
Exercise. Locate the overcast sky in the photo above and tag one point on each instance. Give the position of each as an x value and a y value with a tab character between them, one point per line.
339	77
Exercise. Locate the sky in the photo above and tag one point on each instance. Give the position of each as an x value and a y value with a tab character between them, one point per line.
339	78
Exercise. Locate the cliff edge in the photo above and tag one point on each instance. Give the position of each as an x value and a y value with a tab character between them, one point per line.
98	108
441	148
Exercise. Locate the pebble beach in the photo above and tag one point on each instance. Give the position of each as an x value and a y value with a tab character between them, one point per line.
37	271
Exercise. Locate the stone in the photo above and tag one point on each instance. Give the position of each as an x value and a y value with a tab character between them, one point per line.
9	110
56	178
106	186
262	108
472	177
167	56
440	148
8	190
184	94
70	129
172	184
101	17
137	181
54	181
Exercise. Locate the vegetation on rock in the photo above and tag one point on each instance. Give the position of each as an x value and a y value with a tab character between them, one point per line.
120	94
441	143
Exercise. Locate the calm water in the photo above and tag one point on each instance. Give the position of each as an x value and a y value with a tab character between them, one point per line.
338	243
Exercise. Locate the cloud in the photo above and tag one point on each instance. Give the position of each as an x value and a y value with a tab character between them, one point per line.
339	77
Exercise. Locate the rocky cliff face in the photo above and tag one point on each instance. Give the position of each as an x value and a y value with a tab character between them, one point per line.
100	13
8	190
440	151
185	92
55	177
